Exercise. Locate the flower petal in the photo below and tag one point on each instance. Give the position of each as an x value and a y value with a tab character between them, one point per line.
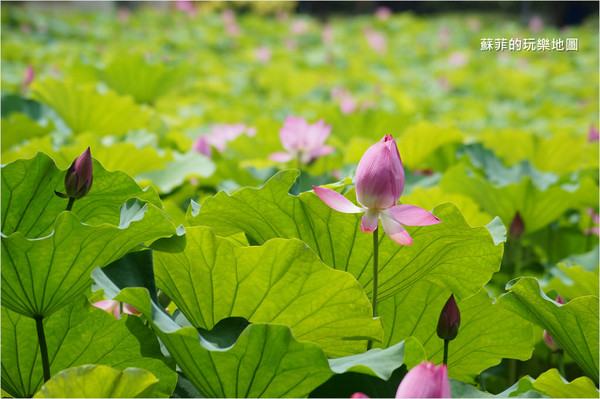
394	230
411	215
280	157
336	201
370	221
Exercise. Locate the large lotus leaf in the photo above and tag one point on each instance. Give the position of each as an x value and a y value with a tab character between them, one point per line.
451	253
549	384
133	75
537	207
99	381
178	170
39	276
487	334
76	335
428	198
84	109
235	359
19	127
30	206
574	325
418	142
281	282
573	281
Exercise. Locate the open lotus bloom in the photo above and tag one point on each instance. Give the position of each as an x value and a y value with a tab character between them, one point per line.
593	134
379	183
114	307
302	140
425	381
220	135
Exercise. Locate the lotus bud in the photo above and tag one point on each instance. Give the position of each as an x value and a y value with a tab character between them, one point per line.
380	175
548	340
78	180
425	381
517	227
449	320
359	395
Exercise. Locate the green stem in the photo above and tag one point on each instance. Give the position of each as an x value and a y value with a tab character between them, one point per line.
518	258
375	276
120	308
561	365
446	344
70	204
43	348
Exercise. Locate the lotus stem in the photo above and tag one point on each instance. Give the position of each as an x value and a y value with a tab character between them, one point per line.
43	347
70	204
446	344
375	276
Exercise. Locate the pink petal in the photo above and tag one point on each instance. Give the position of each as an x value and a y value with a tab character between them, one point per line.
370	221
395	231
380	175
425	381
280	157
320	151
336	200
411	215
358	395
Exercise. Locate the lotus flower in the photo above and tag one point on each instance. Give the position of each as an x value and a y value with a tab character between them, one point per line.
449	320
595	220
186	6
302	140
425	381
383	13
28	77
593	134
78	179
548	340
219	136
376	40
114	307
379	184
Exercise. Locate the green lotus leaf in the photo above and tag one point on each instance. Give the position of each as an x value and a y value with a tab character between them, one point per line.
133	75
178	170
574	325
573	281
42	275
440	253
537	207
30	206
281	282
236	359
19	127
487	334
77	335
98	381
84	109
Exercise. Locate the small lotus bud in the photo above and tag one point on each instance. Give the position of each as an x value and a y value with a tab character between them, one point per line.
517	227
449	320
548	340
78	180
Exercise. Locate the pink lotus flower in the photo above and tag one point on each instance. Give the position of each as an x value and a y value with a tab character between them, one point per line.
536	24
595	220
548	340
593	134
219	136
425	381
299	26
231	26
186	6
327	34
359	395
114	307
383	13
263	54
376	40
28	77
379	184
302	140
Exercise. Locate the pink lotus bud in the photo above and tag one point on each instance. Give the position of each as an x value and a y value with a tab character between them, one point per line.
548	340
383	13
425	381
78	180
359	395
380	175
28	77
593	134
449	320
202	146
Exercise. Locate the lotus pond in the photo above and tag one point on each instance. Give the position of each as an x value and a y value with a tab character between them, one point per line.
219	237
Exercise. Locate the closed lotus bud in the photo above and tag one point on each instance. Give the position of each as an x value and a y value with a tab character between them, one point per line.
548	340
425	381
449	320
359	395
517	227
380	175
78	180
